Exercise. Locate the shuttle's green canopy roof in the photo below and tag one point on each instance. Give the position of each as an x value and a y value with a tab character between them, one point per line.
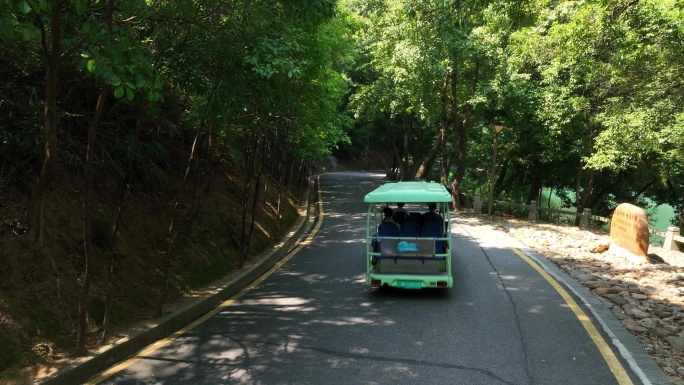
407	192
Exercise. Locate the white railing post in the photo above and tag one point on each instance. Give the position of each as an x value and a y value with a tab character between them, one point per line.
532	210
586	216
670	243
477	205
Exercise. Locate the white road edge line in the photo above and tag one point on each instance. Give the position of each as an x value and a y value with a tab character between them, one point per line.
621	348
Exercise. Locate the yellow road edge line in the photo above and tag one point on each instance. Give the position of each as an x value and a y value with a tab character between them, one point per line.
613	363
611	360
163	342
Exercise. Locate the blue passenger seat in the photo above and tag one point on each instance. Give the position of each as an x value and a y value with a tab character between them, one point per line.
409	229
433	230
400	217
386	229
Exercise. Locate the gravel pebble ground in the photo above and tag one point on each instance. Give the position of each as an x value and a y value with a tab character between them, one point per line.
645	294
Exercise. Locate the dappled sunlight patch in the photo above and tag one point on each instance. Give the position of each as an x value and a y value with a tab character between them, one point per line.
142	373
261	228
536	309
240	375
277	301
299	309
232	313
272	208
290	273
343	229
338	363
360	350
336	215
355	241
341	280
233	354
399	369
346	321
387	322
314	278
360	279
292	345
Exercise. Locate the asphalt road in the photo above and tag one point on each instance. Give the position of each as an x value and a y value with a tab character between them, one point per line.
314	321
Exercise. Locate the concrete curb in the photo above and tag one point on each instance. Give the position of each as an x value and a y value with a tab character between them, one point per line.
109	355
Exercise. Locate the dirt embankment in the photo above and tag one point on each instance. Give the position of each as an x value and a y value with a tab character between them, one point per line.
40	285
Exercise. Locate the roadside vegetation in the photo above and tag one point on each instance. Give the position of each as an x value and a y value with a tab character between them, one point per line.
150	147
589	94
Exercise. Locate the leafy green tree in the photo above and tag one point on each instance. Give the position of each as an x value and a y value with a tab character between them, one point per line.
431	68
406	93
586	91
587	105
642	120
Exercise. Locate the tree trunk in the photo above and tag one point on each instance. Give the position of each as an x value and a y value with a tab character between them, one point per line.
535	188
255	197
198	198
429	160
53	53
172	232
444	162
444	122
253	138
681	213
404	157
130	159
87	244
645	187
583	193
462	139
395	168
88	251
280	191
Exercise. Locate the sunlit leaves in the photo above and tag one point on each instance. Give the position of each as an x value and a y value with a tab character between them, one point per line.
273	56
24	7
408	54
117	55
80	6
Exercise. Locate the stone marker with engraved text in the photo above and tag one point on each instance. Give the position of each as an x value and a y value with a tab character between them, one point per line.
629	229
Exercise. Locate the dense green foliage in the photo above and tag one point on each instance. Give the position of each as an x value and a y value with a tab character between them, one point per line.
589	92
163	99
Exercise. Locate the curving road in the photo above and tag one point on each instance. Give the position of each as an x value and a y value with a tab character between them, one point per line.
313	321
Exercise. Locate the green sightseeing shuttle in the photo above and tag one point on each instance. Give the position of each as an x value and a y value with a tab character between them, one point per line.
413	249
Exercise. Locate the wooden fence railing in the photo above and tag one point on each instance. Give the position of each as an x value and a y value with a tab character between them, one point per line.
672	238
